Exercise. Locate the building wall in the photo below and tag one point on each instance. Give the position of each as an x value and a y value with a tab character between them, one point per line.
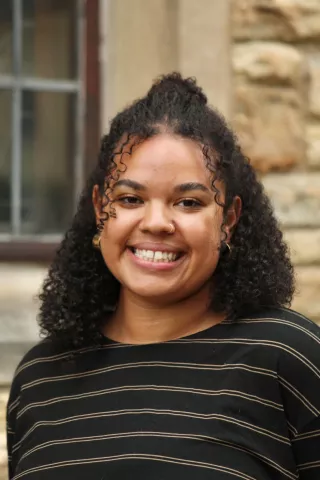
276	91
157	37
258	62
3	453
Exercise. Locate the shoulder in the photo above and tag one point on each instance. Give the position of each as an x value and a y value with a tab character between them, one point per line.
296	341
25	372
45	359
43	350
299	369
291	336
284	315
35	361
284	326
300	338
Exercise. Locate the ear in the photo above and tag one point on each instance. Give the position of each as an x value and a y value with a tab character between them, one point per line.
232	217
97	203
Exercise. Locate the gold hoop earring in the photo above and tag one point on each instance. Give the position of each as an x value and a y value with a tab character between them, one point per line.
228	246
96	241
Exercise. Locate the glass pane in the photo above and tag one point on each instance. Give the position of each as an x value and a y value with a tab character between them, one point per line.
5	36
49	38
48	121
5	159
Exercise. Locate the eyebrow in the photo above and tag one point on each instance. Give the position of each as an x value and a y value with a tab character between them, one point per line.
182	188
187	187
130	184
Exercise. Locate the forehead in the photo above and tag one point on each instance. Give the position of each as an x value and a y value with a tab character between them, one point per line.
164	158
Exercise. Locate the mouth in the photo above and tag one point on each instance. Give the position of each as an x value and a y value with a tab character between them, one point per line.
156	256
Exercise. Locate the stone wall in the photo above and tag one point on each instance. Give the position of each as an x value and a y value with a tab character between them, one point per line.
3	439
276	64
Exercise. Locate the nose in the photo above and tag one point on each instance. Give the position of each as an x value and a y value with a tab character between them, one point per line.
156	219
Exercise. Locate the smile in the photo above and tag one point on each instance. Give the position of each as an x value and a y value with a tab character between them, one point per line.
156	256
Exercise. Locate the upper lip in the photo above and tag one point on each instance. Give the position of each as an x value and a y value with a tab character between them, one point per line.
155	247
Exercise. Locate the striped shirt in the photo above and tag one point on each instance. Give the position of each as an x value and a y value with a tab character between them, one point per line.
240	400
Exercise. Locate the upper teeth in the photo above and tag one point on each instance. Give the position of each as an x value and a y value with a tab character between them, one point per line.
155	256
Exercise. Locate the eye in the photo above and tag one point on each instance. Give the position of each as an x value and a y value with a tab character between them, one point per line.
190	203
130	200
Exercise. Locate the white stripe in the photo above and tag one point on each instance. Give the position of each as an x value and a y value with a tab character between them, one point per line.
164	388
178	461
201	438
152	411
191	366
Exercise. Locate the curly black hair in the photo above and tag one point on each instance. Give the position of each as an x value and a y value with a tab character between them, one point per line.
80	291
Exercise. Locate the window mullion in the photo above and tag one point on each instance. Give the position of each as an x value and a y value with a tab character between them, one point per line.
16	121
80	105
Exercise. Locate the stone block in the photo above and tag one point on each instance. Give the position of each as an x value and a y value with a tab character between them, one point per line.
270	63
313	146
307	298
19	287
296	198
304	246
288	20
314	91
4	395
270	125
3	463
3	471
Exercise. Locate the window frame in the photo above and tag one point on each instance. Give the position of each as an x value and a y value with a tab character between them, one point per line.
87	86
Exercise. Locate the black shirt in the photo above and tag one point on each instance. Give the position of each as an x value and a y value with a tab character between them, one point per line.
240	400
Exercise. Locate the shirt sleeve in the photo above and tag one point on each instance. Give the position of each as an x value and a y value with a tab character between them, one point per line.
306	448
299	380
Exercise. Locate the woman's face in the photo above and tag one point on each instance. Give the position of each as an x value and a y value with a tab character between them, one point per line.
165	183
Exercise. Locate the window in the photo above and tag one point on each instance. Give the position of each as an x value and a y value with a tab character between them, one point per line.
43	84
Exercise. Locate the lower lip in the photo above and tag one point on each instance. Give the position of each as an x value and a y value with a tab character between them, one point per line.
155	266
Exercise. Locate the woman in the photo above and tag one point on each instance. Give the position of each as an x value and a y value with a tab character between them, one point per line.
169	352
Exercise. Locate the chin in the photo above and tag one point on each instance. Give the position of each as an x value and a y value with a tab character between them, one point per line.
156	294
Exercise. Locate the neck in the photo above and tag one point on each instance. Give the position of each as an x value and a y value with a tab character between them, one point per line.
137	321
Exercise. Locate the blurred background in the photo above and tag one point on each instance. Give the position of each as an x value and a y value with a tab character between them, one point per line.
67	66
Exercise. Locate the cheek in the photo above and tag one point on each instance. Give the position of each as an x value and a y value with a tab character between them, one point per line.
205	232
112	237
115	230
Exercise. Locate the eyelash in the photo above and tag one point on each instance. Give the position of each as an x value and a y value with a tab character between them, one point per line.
125	200
196	203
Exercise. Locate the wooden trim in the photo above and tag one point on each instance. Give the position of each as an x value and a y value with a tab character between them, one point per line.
92	80
19	251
